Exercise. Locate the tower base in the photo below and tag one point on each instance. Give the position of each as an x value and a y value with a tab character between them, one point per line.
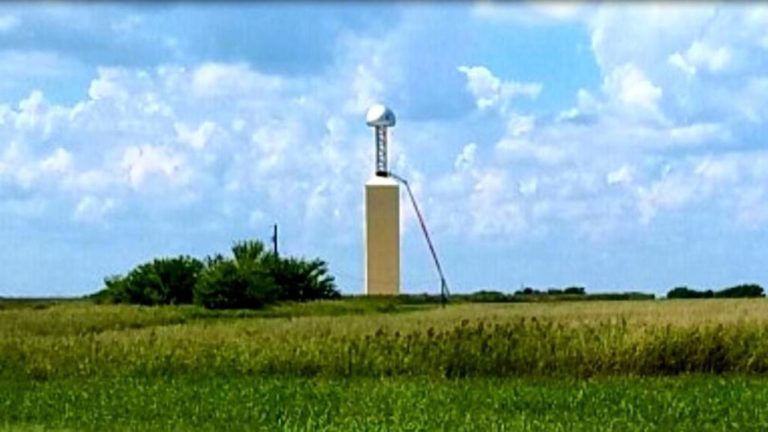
382	236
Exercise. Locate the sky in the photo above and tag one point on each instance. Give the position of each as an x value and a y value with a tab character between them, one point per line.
617	146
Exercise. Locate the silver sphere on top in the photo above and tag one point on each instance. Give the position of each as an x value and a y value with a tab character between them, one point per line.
380	115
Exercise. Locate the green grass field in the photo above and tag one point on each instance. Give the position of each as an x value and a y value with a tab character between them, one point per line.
375	364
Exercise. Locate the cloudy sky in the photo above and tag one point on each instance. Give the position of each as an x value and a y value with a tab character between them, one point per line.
619	147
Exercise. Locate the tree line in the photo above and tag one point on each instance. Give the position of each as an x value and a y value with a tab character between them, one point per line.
738	291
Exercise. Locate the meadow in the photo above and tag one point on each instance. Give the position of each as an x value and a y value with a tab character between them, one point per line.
384	364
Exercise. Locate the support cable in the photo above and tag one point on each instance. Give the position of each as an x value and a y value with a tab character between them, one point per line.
443	284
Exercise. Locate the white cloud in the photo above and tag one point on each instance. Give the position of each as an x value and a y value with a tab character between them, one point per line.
677	60
669	193
58	162
493	213
92	209
532	13
700	133
631	88
141	162
466	159
31	111
490	91
197	138
701	55
622	175
250	142
511	148
219	79
107	85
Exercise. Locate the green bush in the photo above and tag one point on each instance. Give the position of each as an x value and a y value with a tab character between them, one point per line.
251	278
301	280
574	290
486	296
229	284
683	292
738	291
528	291
254	278
161	281
241	282
741	291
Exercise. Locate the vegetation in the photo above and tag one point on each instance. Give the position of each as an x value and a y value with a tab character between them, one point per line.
695	403
250	279
161	281
738	291
371	363
569	339
551	294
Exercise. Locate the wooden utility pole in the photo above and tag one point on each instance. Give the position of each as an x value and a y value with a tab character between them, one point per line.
274	240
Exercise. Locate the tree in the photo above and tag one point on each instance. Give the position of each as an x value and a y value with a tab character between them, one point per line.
226	285
251	278
161	281
683	292
255	277
741	291
239	282
574	290
301	280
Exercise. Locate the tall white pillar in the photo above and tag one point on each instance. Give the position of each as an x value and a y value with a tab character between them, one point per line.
382	236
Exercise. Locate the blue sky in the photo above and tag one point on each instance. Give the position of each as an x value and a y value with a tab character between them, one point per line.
615	146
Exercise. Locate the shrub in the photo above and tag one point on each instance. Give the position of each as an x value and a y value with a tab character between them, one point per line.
527	291
623	296
254	278
741	291
227	284
575	290
738	291
298	279
161	281
486	296
683	292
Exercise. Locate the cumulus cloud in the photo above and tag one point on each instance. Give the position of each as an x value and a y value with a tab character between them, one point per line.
701	55
141	162
633	91
490	91
198	138
631	149
221	79
258	146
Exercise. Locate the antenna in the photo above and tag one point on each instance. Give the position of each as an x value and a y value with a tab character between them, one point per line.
443	284
380	118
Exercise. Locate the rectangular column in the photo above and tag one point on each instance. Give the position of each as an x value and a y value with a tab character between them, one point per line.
382	236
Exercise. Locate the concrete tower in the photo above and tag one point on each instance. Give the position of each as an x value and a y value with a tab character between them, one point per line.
382	214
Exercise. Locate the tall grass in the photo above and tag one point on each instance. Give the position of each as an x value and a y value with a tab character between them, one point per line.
509	340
